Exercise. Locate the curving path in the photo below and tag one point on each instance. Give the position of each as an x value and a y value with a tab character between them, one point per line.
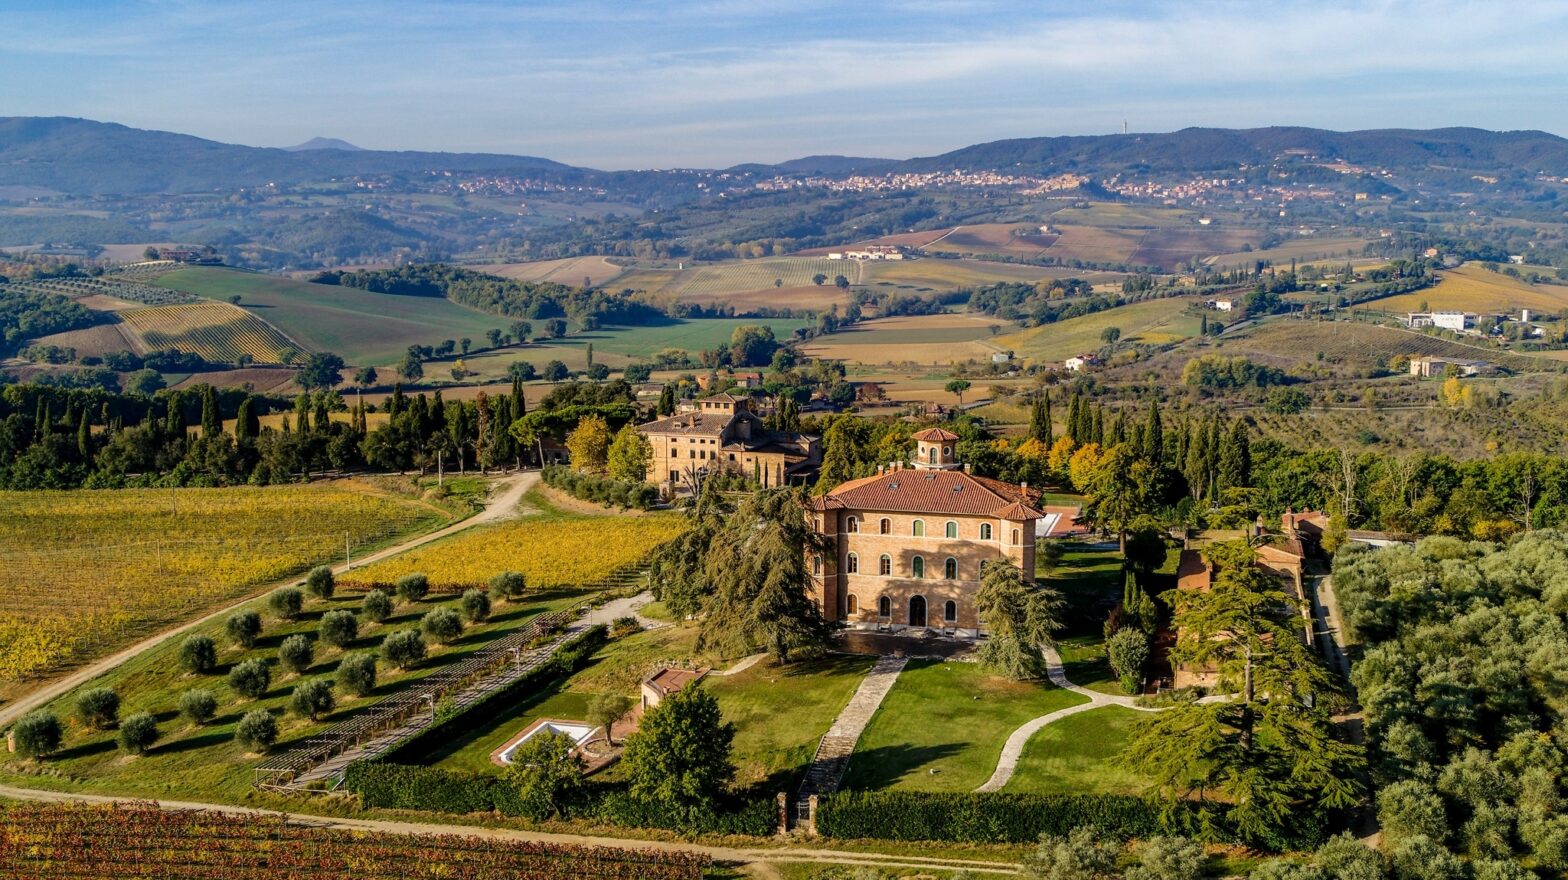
1013	749
502	505
756	856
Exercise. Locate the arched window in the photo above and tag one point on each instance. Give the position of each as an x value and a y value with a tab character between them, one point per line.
884	606
885	526
952	529
931	455
852	524
950	612
885	565
918	566
950	569
919	528
1015	537
816	565
985	531
852	565
854	604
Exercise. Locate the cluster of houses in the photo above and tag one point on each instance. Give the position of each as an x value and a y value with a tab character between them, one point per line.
871	252
1473	323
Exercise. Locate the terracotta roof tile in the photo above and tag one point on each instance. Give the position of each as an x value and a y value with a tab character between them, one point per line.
936	435
937	492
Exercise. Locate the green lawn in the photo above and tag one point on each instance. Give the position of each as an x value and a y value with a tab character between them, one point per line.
617	667
1083	658
1078	755
1090	580
781	711
942	727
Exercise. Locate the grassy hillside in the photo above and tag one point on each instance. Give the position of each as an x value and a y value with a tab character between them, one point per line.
1364	345
571	270
363	327
218	332
1471	288
1156	321
924	339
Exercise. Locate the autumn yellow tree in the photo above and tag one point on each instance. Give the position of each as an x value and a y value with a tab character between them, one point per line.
589	445
630	455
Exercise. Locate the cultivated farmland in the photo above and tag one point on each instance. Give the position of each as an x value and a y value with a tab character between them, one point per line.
84	571
363	327
1471	288
1154	322
1013	239
218	332
127	840
550	552
722	282
571	270
1365	345
922	339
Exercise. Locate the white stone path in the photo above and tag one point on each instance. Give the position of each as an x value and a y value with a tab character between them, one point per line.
1013	749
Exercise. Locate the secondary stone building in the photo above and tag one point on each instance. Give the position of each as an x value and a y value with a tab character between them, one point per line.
722	433
908	543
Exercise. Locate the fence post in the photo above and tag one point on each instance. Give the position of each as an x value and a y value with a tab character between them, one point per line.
811	815
782	803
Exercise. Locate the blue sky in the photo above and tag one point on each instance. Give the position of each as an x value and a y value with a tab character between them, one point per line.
632	84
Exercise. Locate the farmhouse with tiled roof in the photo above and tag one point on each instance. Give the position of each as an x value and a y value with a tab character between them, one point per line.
907	544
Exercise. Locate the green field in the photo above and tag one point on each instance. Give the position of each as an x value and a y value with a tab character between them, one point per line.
363	327
1123	214
1154	322
709	282
1078	755
929	275
942	726
1303	248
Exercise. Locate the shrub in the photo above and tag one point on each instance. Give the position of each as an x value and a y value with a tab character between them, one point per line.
320	582
286	602
313	699
1410	808
622	627
1079	855
1127	651
377	606
404	648
98	707
37	734
198	654
138	733
547	775
296	653
251	678
338	628
680	755
967	817
413	587
508	586
257	731
198	705
357	674
443	625
601	490
1346	858
476	606
243	628
1169	858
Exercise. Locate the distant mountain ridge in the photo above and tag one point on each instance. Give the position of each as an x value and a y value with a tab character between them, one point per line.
84	157
325	143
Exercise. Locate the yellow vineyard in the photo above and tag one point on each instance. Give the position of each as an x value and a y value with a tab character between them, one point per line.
82	572
216	331
554	552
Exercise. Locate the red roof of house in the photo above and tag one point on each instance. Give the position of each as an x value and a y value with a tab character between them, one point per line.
936	435
911	490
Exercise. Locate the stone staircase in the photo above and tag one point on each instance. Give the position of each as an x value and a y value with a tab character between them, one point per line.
833	751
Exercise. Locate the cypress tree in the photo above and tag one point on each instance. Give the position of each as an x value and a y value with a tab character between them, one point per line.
1118	434
174	424
1097	426
211	420
395	404
41	419
84	438
667	400
247	425
1154	435
323	418
1235	462
519	402
302	414
1040	420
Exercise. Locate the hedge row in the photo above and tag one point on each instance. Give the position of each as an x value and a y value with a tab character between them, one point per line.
405	787
601	490
980	818
566	660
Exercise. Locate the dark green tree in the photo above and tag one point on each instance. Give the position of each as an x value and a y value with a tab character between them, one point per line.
679	758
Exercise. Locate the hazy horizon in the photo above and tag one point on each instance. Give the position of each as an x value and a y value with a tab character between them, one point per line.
722	82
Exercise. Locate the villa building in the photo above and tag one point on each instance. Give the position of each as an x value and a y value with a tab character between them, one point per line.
723	433
907	544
